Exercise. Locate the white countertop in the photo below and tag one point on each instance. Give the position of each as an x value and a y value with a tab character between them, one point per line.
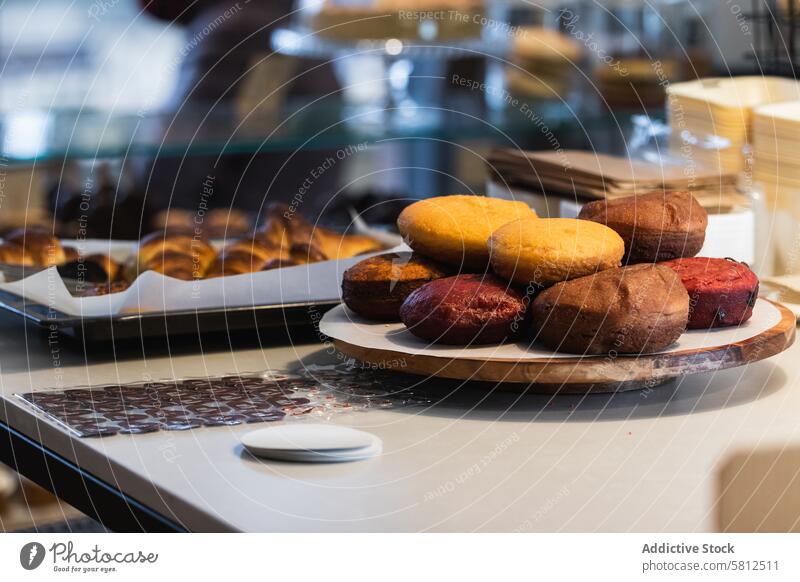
475	462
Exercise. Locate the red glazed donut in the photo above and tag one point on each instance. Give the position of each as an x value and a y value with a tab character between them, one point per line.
722	292
465	309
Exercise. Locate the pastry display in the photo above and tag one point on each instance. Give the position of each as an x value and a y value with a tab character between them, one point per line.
627	310
376	287
465	309
454	229
544	251
722	292
346	20
655	227
283	240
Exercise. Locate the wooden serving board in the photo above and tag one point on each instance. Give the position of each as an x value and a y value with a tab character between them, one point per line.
560	373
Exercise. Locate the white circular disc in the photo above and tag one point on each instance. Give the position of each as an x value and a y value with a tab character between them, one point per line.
307	438
323	456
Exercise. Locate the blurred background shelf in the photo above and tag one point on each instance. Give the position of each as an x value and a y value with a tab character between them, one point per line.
61	135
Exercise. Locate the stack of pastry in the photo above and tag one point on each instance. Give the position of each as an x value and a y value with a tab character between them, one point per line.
617	279
283	239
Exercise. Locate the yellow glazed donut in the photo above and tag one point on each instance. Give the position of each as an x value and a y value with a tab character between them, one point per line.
549	250
454	229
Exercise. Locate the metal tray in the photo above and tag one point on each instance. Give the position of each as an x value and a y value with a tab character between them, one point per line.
160	324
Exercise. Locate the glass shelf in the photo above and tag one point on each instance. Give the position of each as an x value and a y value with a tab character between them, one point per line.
28	137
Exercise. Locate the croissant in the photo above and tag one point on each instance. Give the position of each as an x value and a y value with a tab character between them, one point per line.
11	254
245	256
44	248
344	246
172	254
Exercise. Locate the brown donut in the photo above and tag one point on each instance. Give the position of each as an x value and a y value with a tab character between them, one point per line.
375	288
636	309
655	227
465	309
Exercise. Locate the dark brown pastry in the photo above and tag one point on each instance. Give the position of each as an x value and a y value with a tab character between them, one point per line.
375	288
44	248
11	254
722	292
96	268
631	310
655	227
465	309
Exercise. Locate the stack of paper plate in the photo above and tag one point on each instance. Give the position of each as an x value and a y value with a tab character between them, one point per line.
776	168
776	144
711	119
312	443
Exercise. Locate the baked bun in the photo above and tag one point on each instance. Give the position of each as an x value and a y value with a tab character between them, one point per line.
44	249
11	254
454	229
544	251
655	227
636	309
465	309
375	288
722	292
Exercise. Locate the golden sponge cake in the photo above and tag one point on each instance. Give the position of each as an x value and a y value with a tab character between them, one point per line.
454	229
545	251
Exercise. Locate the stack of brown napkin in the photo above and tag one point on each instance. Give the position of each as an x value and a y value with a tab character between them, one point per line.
587	175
